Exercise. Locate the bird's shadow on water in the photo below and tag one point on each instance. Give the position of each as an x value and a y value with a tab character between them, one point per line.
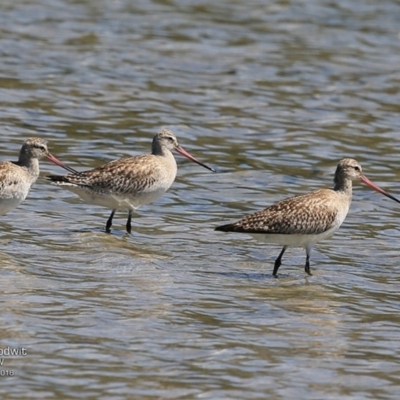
261	277
246	275
114	233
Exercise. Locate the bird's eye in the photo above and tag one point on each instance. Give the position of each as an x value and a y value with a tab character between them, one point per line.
170	138
358	169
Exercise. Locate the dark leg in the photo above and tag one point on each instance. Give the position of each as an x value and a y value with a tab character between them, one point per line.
278	262
128	223
109	221
307	266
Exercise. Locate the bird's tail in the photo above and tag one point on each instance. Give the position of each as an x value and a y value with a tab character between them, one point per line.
225	228
57	178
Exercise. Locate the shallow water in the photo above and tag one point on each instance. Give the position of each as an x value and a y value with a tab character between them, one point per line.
272	95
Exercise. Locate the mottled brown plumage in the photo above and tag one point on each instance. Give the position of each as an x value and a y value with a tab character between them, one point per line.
290	216
301	221
129	182
129	175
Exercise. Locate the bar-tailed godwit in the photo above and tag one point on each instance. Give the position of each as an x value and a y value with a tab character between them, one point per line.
17	177
302	221
129	182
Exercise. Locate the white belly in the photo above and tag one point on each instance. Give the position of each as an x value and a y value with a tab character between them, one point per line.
12	196
117	201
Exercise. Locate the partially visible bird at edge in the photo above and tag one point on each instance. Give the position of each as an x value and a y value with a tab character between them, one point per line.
17	177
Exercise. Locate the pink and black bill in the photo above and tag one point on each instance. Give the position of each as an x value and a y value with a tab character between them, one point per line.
56	161
372	185
182	151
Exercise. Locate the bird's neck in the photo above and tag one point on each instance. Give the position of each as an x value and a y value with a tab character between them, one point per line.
167	159
157	149
29	163
343	186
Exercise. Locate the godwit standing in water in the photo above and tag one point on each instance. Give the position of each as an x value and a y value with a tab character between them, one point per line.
301	221
17	177
129	182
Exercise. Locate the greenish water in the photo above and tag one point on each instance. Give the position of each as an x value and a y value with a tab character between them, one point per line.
273	94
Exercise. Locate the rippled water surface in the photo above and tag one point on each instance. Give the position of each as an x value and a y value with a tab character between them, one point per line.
273	94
